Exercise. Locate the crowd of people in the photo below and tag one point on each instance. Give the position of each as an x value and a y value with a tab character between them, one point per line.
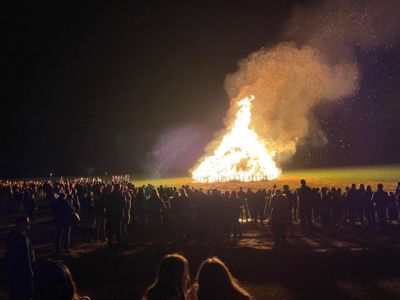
49	280
117	211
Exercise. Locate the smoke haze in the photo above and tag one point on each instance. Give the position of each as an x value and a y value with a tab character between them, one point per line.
315	64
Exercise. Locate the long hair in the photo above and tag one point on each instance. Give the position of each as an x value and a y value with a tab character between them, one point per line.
215	281
173	279
55	282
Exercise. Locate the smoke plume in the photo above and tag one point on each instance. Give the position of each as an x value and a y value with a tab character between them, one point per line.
315	64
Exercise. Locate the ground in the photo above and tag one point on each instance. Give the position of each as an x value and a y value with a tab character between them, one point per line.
353	262
338	177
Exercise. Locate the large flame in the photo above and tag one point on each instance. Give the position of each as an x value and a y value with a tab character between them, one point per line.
241	156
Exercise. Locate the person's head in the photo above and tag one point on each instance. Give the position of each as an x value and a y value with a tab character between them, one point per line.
173	277
154	193
278	192
117	187
285	187
183	192
55	282
380	186
303	182
22	223
353	186
215	281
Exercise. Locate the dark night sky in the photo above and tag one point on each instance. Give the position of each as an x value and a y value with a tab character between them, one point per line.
139	87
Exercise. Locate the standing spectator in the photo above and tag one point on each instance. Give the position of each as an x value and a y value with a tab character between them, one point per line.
127	216
245	210
235	209
100	214
291	197
19	258
30	204
304	196
140	212
63	219
279	217
393	210
380	198
252	204
155	213
370	206
397	193
115	210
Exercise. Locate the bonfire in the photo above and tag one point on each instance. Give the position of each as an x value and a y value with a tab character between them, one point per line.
241	154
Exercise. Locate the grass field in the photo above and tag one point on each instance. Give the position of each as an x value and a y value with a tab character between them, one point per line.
338	177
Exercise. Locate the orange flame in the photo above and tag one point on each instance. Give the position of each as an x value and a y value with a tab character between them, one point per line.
241	156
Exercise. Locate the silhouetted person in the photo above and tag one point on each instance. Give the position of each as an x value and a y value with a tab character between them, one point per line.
381	199
252	204
172	281
304	197
333	198
369	205
139	209
292	199
234	211
325	208
393	210
127	215
245	210
184	213
397	193
215	282
54	282
259	206
279	217
63	219
115	211
19	259
156	209
30	204
100	214
360	205
352	200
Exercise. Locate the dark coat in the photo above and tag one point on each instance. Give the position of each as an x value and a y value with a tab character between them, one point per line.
304	196
19	259
63	213
280	210
115	206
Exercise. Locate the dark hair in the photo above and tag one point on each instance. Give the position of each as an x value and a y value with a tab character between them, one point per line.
173	278
214	281
54	281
